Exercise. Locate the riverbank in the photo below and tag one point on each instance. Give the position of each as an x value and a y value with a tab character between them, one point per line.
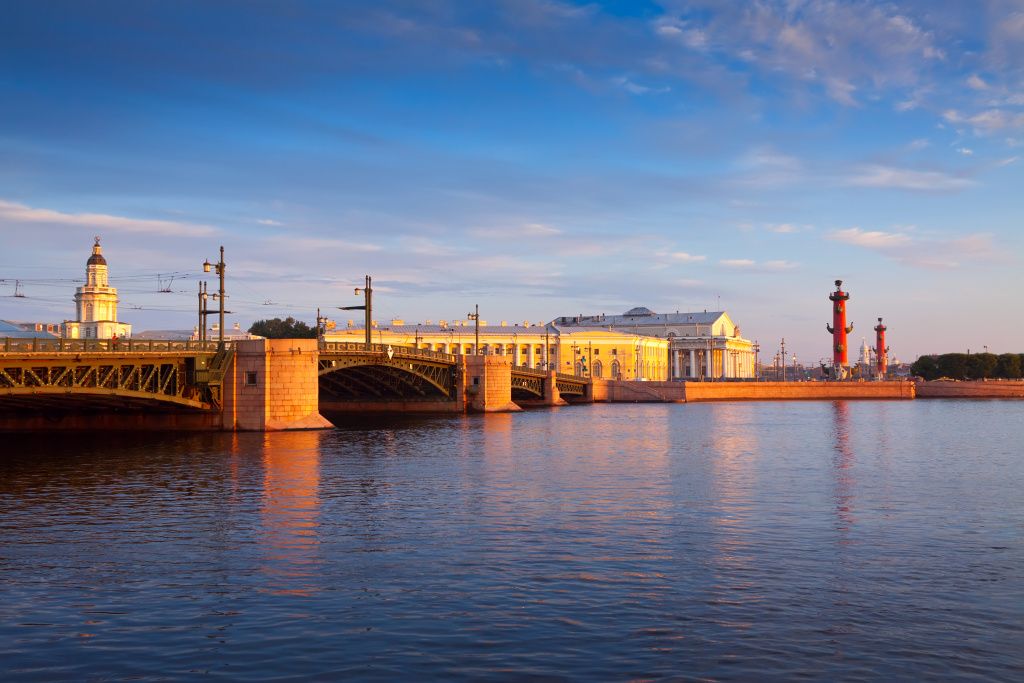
612	391
991	388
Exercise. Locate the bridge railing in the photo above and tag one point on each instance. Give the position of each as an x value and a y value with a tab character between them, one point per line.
570	377
42	345
404	351
527	370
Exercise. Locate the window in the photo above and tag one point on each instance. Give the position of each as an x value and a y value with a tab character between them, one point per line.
597	352
598	368
616	371
250	379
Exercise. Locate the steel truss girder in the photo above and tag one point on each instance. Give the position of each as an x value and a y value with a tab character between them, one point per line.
159	379
399	376
529	384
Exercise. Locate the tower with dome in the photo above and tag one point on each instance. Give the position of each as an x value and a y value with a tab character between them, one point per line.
96	303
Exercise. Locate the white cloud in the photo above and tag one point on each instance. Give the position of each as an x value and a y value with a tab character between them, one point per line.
540	229
99	222
986	121
750	264
975	82
779	265
841	91
684	257
935	251
268	221
919	144
789	228
889	177
636	89
965	151
682	32
871	239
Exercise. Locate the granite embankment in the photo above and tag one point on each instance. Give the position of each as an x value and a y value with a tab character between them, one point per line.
640	392
992	388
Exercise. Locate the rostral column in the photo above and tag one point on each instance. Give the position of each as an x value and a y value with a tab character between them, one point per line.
881	350
839	330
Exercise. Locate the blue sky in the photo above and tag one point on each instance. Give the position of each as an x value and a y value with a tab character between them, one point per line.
538	157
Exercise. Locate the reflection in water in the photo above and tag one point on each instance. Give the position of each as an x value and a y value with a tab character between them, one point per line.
734	467
842	467
696	542
290	512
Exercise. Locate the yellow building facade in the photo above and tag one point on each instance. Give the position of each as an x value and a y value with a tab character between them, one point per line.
609	354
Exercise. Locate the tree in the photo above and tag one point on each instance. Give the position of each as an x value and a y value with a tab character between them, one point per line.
1008	366
953	365
289	328
981	365
926	367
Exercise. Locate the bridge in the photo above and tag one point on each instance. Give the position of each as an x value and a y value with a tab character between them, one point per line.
253	384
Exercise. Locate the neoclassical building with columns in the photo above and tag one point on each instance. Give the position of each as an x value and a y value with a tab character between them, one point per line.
594	352
704	345
95	303
637	345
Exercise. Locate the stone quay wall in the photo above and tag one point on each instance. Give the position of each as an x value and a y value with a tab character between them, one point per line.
789	391
973	389
619	391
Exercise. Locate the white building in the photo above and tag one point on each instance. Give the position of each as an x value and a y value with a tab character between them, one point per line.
96	304
704	345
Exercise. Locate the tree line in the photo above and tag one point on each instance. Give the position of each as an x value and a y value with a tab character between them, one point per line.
969	366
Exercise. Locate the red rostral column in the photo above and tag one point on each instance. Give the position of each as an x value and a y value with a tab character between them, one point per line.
881	350
838	328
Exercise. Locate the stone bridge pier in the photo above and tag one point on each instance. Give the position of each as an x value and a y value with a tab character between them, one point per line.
273	385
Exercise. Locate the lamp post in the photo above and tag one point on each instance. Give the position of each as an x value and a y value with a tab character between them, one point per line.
782	357
321	321
757	361
475	317
794	368
220	266
367	292
417	339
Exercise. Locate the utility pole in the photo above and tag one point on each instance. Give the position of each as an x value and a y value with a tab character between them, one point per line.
367	306
475	317
199	329
220	267
782	355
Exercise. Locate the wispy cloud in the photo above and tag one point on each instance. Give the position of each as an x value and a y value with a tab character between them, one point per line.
268	221
975	82
891	177
750	264
15	213
634	88
987	121
906	246
682	257
871	239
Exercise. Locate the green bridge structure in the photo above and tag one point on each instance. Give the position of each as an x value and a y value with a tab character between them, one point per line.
259	384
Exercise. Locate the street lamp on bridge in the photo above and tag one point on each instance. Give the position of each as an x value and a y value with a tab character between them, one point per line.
475	317
220	266
367	292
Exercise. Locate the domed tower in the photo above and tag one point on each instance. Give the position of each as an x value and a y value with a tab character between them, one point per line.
96	303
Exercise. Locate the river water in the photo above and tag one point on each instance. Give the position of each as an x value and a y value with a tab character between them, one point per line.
732	541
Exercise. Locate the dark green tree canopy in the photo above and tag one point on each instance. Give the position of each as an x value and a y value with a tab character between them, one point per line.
289	328
969	366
